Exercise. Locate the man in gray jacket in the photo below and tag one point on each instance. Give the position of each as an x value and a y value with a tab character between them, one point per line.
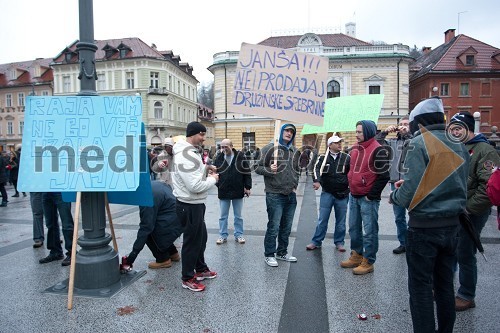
281	179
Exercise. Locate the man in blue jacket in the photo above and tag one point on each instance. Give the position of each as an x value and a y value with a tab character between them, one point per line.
434	190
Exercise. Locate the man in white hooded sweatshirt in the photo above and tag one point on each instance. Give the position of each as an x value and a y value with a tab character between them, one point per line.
191	184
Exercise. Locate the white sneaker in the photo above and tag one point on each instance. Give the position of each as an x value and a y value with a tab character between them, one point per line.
220	241
286	257
271	261
240	240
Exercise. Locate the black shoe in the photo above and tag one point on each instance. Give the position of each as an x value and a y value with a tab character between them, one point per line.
38	244
24	194
400	249
3	204
16	195
51	258
66	261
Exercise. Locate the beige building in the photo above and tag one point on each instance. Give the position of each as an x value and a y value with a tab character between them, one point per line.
128	66
355	68
17	81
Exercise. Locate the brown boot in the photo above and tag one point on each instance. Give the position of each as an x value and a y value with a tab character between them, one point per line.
156	265
463	304
353	261
364	268
175	257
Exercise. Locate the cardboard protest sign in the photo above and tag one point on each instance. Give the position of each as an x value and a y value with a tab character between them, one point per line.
280	84
81	143
342	113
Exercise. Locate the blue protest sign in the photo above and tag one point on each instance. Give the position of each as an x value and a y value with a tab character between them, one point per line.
81	143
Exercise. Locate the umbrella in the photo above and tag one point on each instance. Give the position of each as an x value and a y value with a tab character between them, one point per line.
471	231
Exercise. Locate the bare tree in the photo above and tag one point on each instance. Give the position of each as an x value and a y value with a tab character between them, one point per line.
206	94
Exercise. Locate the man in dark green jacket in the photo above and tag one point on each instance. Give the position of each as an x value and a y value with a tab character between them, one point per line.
483	159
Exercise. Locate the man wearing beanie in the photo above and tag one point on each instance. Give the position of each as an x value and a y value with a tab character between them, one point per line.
190	188
281	179
368	175
483	158
433	190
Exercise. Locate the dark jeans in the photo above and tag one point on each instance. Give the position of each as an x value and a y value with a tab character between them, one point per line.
192	219
3	192
280	212
430	255
160	255
52	204
466	255
37	212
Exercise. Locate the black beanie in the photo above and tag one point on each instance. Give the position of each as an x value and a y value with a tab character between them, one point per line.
194	128
463	118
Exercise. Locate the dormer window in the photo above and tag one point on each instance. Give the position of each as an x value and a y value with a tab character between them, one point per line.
469	60
123	53
68	56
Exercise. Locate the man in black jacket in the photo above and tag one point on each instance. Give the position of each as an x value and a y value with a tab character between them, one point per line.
159	228
332	176
235	181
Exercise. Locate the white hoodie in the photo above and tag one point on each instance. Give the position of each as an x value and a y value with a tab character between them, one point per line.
189	180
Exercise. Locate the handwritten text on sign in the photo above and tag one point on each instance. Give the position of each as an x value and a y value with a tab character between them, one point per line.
280	84
81	143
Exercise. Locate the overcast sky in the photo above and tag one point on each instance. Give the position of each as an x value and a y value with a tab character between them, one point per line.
198	29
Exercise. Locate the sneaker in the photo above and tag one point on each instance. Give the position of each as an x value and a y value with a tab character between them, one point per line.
38	244
353	261
156	265
364	268
271	261
340	247
175	257
207	274
51	258
66	261
193	285
220	241
240	240
312	246
400	249
125	266
463	304
286	257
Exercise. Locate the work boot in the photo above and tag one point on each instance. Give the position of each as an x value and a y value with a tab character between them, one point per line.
463	304
155	265
364	268
353	261
175	257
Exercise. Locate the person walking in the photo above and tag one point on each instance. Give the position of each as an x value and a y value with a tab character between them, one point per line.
191	185
434	190
235	182
281	179
15	158
332	177
4	178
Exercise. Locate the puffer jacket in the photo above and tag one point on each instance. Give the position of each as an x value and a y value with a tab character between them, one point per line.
234	178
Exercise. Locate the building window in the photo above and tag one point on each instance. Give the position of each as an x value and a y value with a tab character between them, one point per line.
178	115
170	112
154	79
21	127
66	84
101	81
445	89
170	82
464	89
8	100
248	140
130	79
158	110
68	56
178	87
45	93
123	53
10	128
333	89
184	90
20	99
469	60
485	89
373	90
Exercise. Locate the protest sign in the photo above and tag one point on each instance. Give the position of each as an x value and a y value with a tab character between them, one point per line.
81	143
342	113
280	84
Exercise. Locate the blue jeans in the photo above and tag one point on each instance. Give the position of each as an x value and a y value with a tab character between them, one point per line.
430	255
326	202
400	219
37	212
466	255
224	213
52	204
363	214
280	211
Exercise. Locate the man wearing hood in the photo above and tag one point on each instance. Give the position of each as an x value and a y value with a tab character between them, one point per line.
483	159
281	179
368	175
190	188
433	190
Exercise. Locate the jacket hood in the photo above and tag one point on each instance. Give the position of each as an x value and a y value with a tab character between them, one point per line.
426	113
478	138
181	145
281	135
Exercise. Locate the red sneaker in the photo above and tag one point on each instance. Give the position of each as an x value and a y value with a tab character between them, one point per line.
207	274
125	266
193	285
